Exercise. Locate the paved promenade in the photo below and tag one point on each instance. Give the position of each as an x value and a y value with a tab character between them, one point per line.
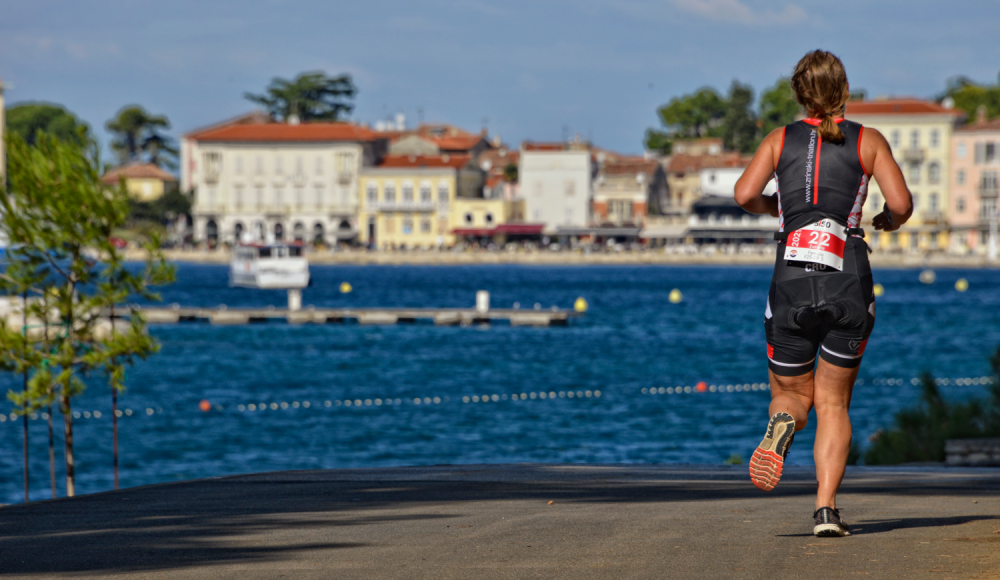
514	521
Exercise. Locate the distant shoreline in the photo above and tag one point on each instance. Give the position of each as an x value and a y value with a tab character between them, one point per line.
543	258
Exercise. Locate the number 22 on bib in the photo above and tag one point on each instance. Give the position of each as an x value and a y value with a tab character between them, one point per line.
819	243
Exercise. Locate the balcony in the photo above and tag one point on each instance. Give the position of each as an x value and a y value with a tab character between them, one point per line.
933	216
417	206
913	155
988	191
212	177
344	178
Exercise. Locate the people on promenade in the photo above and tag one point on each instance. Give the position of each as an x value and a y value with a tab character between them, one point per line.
821	304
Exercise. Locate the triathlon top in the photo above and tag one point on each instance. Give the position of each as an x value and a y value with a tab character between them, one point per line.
817	180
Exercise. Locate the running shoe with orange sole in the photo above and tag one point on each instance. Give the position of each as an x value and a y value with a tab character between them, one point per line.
769	458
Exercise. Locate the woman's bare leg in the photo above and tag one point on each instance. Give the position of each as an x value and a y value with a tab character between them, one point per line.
832	398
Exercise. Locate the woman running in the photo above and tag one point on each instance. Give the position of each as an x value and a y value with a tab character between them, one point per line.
821	303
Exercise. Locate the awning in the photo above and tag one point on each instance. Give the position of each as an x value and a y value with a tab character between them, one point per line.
520	229
598	231
479	232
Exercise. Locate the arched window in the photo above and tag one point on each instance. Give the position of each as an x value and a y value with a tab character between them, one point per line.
425	192
407	192
390	192
299	231
372	192
212	231
279	231
318	233
443	192
468	219
934	173
489	219
238	232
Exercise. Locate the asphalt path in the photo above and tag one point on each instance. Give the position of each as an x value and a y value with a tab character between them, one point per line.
515	521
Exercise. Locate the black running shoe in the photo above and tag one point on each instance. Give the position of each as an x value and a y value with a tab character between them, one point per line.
829	524
768	459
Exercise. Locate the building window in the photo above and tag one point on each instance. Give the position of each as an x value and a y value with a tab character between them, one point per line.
914	139
914	176
319	165
935	138
279	165
260	197
425	192
988	183
443	193
980	155
988	209
961	151
932	202
371	190
569	187
407	226
894	138
343	162
425	226
259	165
960	177
991	153
299	166
469	219
916	201
239	165
300	197
933	173
489	219
390	192
960	205
238	196
319	196
213	166
407	193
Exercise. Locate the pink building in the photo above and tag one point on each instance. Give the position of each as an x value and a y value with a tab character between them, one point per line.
975	165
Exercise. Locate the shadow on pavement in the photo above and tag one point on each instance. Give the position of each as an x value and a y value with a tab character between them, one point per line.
268	516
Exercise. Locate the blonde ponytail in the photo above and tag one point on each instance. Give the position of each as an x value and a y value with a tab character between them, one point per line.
820	85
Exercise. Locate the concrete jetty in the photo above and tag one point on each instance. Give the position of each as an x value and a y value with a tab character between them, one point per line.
515	521
440	316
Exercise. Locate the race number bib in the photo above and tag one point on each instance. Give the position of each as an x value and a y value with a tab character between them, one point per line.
818	243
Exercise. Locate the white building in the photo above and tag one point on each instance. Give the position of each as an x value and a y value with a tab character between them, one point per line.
286	180
721	181
556	185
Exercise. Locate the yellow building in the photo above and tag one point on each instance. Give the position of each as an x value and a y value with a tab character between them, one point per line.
919	133
498	219
143	181
407	201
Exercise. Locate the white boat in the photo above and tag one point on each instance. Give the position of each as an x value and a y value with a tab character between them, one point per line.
273	265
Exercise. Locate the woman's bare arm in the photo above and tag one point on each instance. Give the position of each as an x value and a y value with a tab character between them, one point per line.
877	156
750	186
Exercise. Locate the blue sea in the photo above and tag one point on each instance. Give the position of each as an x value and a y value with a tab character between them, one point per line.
607	388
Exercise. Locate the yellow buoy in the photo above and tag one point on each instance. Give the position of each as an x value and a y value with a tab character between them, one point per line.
962	285
580	305
345	287
675	296
879	290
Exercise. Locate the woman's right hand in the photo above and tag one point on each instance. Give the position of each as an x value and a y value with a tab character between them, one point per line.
883	222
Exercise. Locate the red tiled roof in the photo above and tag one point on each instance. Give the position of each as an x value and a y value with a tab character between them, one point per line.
993	125
898	107
529	146
630	166
682	163
136	171
283	132
460	143
456	161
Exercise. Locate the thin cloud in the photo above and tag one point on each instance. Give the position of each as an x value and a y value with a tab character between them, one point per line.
736	12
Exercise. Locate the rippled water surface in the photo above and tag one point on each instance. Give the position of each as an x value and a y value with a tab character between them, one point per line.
631	339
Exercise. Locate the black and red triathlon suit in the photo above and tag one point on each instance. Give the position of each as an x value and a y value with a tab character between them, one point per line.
813	307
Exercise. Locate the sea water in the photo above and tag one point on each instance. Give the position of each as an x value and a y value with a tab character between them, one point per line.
365	396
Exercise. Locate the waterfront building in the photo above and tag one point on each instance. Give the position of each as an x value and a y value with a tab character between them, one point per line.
920	134
289	181
143	181
408	201
502	173
495	220
716	218
625	188
556	184
683	171
975	164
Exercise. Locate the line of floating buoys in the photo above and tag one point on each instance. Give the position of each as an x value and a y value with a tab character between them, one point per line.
345	288
580	305
961	285
927	276
878	290
702	387
675	296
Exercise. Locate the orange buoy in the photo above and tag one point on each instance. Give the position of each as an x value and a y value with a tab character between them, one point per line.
205	406
701	387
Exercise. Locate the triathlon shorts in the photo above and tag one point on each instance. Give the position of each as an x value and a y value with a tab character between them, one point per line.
815	310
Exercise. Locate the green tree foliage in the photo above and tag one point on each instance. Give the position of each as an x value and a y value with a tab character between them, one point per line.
969	96
510	173
59	219
27	119
778	106
312	96
161	210
137	137
920	432
739	123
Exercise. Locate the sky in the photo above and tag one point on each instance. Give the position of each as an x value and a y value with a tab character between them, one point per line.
537	70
